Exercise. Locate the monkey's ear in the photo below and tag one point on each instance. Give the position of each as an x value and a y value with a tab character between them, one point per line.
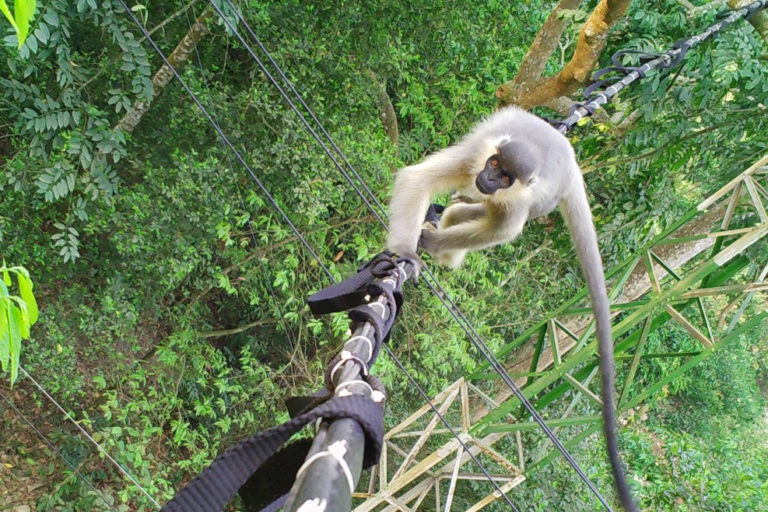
520	159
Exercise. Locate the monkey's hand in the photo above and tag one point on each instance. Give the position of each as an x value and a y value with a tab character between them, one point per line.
451	258
414	258
427	235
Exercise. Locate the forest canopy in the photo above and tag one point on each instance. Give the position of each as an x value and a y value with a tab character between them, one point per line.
171	293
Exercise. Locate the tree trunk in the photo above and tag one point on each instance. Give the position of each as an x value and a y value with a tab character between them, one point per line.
177	59
759	20
544	45
577	71
386	109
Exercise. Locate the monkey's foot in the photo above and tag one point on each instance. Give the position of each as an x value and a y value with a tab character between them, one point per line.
450	259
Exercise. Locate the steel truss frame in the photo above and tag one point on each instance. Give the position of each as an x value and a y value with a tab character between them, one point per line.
699	277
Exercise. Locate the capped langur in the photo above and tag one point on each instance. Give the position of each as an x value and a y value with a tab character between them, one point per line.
511	167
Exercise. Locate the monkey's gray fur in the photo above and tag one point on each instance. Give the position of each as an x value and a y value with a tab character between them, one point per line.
511	167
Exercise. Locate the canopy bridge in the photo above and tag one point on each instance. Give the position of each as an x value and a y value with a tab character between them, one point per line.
701	273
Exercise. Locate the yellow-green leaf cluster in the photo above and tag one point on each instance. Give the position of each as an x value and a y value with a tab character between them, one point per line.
17	314
20	19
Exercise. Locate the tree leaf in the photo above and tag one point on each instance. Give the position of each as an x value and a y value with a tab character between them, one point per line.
24	10
7	12
25	290
42	33
24	321
31	41
15	339
51	17
5	340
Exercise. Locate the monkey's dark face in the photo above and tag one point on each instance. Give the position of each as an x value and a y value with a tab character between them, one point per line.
494	177
514	160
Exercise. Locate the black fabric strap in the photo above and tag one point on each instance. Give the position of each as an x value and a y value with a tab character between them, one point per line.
355	293
434	213
217	484
352	292
381	328
274	478
298	405
344	295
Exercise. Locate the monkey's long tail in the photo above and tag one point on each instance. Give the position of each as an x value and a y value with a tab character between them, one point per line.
578	216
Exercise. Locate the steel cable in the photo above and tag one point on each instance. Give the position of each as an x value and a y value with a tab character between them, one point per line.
223	136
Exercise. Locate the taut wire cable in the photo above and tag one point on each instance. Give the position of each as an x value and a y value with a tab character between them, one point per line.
88	435
223	136
56	450
436	288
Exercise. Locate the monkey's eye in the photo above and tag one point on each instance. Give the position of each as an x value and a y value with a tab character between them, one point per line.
494	161
506	179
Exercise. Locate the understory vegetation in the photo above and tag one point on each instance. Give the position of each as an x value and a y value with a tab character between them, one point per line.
171	292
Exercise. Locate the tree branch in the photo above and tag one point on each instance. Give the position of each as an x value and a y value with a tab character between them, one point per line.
177	59
157	27
693	10
688	5
386	109
577	71
544	44
235	330
171	17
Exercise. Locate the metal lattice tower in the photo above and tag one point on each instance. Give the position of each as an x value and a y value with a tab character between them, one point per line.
699	273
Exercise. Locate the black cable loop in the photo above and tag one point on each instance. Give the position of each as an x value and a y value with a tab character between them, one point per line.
721	15
478	341
667	60
682	46
221	134
590	90
641	55
753	9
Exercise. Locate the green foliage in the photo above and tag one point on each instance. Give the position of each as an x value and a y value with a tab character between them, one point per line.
698	446
723	468
175	319
726	386
20	19
17	314
64	149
